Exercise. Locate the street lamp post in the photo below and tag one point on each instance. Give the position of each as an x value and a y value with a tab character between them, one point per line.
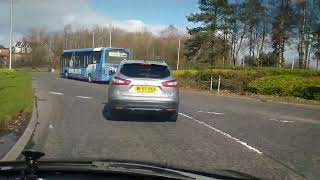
110	36
93	39
10	44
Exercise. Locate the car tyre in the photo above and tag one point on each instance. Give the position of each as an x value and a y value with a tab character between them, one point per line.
173	117
111	114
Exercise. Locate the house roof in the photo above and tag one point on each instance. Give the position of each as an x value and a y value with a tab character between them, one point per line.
21	44
18	43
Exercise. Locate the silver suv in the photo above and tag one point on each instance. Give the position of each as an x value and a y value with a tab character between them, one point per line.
143	86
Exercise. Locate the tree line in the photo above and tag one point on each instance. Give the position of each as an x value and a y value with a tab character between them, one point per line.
47	47
231	33
255	32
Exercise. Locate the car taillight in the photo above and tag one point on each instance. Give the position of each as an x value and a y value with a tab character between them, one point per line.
120	81
172	83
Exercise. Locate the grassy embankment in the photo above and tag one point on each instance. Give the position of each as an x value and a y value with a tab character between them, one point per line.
15	95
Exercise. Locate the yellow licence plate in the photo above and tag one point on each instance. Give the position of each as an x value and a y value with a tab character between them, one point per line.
146	89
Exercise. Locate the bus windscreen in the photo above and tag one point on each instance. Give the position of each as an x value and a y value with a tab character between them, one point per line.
116	56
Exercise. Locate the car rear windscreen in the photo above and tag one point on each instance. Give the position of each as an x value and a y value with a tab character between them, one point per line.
145	71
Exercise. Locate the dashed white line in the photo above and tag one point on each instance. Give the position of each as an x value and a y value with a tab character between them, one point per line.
84	97
284	121
55	93
208	112
223	133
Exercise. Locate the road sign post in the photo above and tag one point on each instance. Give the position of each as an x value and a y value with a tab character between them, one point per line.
292	64
211	84
219	85
178	60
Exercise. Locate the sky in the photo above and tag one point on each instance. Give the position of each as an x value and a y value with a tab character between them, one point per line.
130	15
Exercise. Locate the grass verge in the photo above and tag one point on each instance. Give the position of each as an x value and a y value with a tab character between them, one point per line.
15	95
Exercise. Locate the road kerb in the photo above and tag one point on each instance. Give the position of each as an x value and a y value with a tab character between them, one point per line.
16	150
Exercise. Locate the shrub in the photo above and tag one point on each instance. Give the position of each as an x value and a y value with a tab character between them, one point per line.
6	71
270	81
280	71
287	85
178	73
233	80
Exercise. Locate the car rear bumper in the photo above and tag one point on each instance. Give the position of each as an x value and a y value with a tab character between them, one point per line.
143	106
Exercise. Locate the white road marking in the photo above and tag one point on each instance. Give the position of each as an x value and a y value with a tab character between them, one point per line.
84	97
56	93
223	133
208	112
284	121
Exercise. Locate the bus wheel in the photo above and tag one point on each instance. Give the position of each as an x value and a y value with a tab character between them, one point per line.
90	78
66	75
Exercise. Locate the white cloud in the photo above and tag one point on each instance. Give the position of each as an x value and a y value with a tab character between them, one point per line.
53	15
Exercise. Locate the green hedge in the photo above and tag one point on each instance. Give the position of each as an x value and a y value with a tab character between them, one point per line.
281	71
287	85
233	80
257	72
242	80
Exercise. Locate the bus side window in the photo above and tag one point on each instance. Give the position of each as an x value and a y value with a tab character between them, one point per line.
94	59
75	60
78	60
81	62
90	58
67	59
86	60
64	61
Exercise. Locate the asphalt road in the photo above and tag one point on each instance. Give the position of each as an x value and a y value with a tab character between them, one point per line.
270	140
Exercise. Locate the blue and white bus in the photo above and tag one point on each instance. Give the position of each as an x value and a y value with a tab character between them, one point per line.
92	64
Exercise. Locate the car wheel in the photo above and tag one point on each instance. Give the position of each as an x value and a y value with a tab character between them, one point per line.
90	78
111	114
173	117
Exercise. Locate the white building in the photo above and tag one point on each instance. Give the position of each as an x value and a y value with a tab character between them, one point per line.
21	47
